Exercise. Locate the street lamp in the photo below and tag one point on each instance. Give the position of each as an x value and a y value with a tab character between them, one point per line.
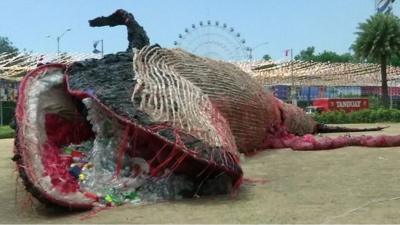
58	38
253	48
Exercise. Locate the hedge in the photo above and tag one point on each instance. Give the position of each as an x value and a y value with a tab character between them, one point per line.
362	116
6	132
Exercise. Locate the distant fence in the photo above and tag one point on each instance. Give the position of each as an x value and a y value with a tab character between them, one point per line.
8	97
306	94
7	110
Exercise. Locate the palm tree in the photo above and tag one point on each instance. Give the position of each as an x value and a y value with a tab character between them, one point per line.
378	41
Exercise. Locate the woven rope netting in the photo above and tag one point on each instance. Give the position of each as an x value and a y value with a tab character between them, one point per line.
15	65
315	73
192	92
169	97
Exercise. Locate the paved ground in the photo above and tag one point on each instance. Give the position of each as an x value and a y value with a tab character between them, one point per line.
349	185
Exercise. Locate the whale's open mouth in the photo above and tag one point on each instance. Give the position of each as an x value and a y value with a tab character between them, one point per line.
76	149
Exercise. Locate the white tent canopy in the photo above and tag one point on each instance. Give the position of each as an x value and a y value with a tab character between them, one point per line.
14	65
316	74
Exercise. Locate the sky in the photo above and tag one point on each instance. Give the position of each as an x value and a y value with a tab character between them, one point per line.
284	24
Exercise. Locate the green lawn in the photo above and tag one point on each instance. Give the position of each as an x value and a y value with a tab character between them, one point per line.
6	132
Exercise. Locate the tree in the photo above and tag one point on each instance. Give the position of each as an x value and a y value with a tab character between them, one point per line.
326	56
378	40
329	56
6	45
266	57
395	61
306	55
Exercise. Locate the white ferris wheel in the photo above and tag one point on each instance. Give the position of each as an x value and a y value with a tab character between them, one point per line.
214	40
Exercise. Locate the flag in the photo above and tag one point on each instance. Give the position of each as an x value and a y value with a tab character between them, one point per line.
287	52
95	43
384	6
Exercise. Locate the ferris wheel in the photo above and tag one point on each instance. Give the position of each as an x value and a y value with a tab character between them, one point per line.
214	40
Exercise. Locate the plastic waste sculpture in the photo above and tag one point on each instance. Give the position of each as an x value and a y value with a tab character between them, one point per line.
148	125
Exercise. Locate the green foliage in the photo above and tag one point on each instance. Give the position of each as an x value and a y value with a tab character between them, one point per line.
6	45
306	55
362	116
378	40
378	37
326	56
375	102
395	60
266	57
6	132
8	111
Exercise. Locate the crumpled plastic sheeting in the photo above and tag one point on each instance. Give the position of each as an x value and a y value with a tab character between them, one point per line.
101	177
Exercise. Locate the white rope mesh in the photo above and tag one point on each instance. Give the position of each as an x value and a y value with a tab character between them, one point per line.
315	73
15	65
190	91
169	97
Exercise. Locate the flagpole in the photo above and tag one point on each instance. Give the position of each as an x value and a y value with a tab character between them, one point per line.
294	101
102	48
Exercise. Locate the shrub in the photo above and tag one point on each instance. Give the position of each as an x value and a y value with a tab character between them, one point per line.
6	132
362	116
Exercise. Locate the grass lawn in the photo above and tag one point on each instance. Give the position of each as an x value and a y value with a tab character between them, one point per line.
350	185
6	132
